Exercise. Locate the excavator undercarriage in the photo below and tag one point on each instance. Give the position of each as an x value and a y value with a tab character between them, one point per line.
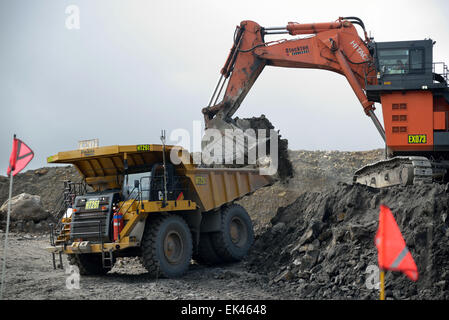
402	170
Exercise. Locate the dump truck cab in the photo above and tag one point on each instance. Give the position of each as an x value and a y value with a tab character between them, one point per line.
152	201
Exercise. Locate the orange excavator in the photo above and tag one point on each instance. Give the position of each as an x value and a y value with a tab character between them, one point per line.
401	75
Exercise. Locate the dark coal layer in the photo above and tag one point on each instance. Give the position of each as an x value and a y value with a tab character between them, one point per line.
323	243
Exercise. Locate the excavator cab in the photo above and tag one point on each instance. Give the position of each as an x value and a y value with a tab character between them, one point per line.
405	65
414	95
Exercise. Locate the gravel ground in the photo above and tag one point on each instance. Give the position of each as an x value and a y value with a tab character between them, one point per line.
30	275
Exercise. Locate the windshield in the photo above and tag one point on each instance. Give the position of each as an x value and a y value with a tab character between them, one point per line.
144	184
394	61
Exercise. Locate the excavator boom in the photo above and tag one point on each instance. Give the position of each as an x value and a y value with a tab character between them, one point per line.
334	46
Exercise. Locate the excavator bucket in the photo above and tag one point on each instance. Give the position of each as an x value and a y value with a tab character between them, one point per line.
242	143
229	142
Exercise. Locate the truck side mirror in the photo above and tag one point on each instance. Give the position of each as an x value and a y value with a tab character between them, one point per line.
136	184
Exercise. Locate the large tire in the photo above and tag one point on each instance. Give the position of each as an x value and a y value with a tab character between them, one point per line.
206	253
88	263
166	246
236	234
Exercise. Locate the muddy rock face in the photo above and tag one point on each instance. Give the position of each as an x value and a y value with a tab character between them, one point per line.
25	207
313	171
44	182
323	243
27	214
35	195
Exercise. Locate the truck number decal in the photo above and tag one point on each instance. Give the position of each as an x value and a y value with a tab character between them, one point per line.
92	204
417	138
143	147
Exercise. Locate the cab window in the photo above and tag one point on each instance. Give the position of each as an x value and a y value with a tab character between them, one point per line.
416	60
394	61
144	184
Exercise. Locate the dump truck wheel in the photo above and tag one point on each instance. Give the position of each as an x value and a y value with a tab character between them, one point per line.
206	252
236	234
166	246
88	264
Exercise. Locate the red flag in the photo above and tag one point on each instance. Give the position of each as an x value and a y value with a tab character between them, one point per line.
393	253
21	155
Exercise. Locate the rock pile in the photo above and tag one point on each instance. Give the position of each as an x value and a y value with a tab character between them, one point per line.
27	214
323	243
313	171
285	168
35	195
45	182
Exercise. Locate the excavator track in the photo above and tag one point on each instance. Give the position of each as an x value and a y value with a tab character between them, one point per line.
397	171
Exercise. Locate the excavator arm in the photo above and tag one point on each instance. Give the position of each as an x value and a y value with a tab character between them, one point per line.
334	46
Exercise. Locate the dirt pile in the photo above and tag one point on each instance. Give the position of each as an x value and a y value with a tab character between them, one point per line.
313	171
317	169
47	183
27	214
285	168
322	244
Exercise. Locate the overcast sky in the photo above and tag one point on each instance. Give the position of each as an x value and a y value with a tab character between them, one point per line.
135	67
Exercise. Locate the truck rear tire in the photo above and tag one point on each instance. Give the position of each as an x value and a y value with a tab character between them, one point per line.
166	246
206	252
236	234
88	263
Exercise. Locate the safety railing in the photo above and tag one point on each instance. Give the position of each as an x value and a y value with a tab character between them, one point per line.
439	70
442	69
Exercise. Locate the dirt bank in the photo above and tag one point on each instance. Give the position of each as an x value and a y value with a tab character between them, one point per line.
323	242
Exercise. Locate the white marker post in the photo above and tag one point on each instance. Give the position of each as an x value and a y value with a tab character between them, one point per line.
6	235
21	155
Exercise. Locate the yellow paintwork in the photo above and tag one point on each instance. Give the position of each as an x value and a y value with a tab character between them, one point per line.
74	248
215	186
145	207
103	167
206	188
131	217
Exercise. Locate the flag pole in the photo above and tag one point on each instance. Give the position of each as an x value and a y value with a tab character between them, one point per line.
382	284
6	235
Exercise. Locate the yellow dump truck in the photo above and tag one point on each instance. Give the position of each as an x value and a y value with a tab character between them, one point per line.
149	203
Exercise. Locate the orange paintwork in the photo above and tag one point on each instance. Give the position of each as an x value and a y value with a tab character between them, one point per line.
311	28
408	113
336	46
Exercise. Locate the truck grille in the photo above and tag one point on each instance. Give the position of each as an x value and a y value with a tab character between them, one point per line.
86	226
92	212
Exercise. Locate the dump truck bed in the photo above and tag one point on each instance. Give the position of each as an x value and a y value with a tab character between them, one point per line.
104	168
